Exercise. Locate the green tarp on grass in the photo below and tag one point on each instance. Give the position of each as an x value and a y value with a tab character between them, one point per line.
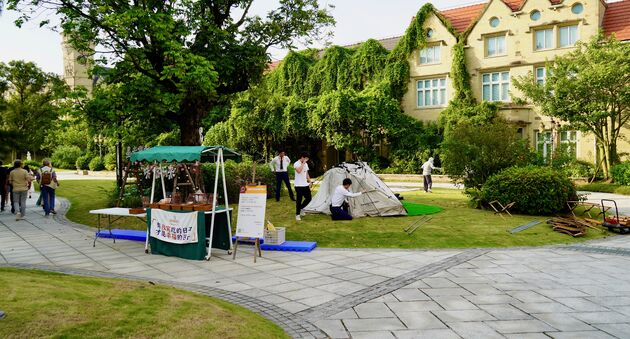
419	209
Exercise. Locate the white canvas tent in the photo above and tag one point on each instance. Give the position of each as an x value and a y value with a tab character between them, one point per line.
378	201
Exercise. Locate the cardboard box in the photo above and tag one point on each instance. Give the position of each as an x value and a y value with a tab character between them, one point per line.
275	237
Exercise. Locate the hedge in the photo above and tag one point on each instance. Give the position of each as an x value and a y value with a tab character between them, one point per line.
621	173
535	190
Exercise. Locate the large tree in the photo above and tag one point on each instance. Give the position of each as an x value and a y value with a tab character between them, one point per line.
31	101
589	89
181	57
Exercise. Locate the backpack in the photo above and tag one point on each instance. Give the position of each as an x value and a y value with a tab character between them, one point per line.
46	178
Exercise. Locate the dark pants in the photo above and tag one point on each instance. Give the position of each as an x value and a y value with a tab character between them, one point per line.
48	198
340	213
11	198
302	192
428	183
283	177
3	196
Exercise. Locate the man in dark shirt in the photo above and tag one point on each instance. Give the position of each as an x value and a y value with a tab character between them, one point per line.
3	186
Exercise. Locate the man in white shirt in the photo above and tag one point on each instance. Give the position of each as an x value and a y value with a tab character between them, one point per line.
302	184
427	168
339	205
279	166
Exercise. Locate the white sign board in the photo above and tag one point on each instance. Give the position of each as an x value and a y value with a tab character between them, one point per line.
251	212
176	228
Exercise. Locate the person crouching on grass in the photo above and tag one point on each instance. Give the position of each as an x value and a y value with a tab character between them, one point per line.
339	205
302	185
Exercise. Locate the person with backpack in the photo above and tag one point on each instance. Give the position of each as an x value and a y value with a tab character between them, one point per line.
47	178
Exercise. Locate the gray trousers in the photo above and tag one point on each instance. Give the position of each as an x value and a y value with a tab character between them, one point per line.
19	201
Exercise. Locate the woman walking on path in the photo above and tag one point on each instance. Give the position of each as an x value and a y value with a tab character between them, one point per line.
47	178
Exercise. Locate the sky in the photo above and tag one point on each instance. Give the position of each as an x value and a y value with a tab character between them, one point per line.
357	20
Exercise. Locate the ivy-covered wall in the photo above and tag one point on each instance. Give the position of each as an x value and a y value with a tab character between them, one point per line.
348	97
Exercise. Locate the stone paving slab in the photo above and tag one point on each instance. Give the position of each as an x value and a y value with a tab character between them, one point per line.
578	291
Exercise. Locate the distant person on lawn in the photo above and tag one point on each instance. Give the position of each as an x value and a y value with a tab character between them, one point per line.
427	168
4	186
19	180
302	185
47	178
339	205
279	166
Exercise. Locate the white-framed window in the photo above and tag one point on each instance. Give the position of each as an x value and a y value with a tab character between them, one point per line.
541	75
544	144
430	55
495	86
431	92
544	39
568	35
495	46
568	139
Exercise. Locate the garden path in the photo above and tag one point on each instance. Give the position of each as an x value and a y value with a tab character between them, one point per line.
563	291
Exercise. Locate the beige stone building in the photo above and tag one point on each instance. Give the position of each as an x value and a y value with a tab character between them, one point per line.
506	39
75	67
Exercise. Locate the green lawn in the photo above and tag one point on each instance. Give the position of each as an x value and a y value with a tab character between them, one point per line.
606	188
42	304
458	226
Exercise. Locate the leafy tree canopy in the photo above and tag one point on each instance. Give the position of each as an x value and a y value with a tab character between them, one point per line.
30	102
178	59
590	89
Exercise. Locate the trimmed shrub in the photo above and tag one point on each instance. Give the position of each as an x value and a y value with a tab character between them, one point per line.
83	162
32	164
535	190
621	173
581	169
97	164
236	175
65	156
110	161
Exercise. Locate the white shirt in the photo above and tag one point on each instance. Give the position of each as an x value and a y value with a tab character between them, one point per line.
300	178
427	167
340	195
275	164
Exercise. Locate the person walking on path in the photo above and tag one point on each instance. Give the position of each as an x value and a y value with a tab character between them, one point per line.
19	179
302	184
31	187
47	178
11	197
279	166
427	168
338	204
4	186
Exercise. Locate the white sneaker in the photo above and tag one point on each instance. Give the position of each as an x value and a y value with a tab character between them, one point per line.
430	191
302	213
298	218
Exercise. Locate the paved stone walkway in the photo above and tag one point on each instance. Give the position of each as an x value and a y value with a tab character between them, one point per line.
578	291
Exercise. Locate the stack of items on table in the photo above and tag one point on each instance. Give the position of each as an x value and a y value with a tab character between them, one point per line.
195	202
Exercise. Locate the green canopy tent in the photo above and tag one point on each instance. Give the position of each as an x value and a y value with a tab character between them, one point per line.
184	154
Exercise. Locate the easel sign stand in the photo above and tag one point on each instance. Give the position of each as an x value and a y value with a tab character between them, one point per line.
250	223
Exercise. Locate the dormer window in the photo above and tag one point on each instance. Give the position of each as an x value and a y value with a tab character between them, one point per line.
430	55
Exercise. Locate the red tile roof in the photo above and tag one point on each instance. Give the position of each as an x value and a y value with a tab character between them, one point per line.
514	5
462	17
272	65
617	19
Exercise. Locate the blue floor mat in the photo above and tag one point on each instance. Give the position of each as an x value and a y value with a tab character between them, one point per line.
291	246
134	235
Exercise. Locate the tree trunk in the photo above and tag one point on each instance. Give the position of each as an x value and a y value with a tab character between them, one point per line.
192	112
